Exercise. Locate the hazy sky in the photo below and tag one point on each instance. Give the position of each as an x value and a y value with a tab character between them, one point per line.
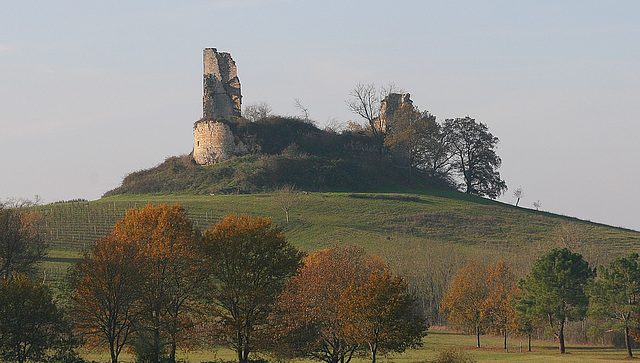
93	90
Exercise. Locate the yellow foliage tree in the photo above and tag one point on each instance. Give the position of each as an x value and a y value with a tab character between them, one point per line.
465	302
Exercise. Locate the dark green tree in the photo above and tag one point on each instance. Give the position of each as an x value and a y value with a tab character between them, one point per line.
615	296
475	158
246	263
555	289
21	246
30	322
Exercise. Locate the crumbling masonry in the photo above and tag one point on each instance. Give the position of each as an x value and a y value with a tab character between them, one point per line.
222	103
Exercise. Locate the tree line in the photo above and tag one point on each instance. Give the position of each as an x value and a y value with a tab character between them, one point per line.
560	287
156	284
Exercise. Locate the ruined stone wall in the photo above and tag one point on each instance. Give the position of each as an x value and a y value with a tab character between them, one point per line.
222	95
214	142
389	106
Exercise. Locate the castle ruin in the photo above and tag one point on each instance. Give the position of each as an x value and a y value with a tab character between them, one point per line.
388	108
222	103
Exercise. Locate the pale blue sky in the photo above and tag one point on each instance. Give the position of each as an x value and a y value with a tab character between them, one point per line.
93	90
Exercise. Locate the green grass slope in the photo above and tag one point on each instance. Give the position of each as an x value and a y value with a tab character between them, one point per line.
419	234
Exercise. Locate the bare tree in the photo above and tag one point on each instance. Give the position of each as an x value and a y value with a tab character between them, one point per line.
304	110
537	205
256	111
287	197
365	102
518	193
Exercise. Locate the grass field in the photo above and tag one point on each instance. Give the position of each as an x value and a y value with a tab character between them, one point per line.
439	339
402	228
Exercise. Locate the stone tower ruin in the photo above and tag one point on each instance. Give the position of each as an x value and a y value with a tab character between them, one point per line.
221	104
222	96
389	106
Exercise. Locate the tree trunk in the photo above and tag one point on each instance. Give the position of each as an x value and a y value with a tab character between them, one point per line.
112	349
561	338
172	354
627	342
506	348
478	336
374	351
529	342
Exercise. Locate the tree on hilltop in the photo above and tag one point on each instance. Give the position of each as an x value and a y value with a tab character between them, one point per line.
475	158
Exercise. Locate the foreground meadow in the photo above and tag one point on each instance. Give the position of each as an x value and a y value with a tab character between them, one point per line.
437	340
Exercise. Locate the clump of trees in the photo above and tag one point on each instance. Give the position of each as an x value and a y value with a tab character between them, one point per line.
342	300
32	326
155	281
459	151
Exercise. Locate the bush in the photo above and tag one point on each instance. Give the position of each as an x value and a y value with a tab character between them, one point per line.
452	355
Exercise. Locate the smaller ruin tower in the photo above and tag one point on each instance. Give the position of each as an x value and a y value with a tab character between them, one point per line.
388	108
222	96
213	140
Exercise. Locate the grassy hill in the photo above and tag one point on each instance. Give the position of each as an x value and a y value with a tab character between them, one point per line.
425	236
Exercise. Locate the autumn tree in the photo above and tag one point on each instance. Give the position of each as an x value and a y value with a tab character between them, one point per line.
417	136
555	289
106	285
342	300
475	158
379	313
21	244
499	305
31	324
245	264
308	310
615	296
465	302
139	282
166	239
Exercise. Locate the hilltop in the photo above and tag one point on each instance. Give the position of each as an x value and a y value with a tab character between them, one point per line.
291	151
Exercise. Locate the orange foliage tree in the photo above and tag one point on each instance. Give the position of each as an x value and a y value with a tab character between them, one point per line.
246	263
379	313
501	300
341	300
464	303
138	281
480	299
166	239
106	287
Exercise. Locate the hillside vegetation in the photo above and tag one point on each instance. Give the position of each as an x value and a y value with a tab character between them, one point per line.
291	151
425	236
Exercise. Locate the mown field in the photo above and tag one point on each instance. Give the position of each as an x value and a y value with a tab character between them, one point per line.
441	339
